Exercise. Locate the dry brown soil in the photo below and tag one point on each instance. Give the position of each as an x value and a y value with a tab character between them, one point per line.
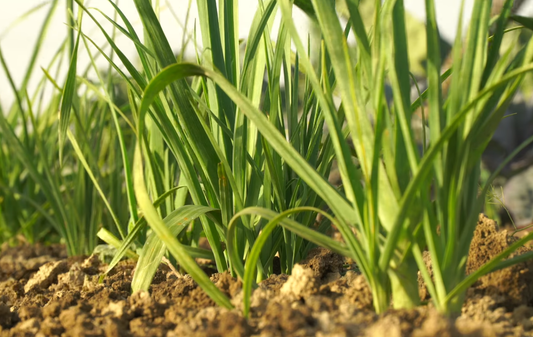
43	293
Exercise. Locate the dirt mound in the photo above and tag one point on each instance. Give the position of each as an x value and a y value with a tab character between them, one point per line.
512	286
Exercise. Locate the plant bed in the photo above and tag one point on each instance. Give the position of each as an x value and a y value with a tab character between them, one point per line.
219	154
44	293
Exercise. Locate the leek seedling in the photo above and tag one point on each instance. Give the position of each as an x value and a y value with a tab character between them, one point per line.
195	136
234	148
391	210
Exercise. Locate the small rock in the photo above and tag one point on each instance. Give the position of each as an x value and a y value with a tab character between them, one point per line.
116	309
91	264
46	275
73	278
301	282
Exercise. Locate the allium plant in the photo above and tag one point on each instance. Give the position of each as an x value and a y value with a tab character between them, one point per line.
244	157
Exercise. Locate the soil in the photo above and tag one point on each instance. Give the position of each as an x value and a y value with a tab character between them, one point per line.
44	293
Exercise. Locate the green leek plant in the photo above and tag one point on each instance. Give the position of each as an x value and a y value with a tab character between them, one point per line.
255	165
388	202
195	142
41	199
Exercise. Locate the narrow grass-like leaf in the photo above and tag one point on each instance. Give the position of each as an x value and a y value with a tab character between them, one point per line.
69	92
89	171
112	240
169	239
135	231
154	249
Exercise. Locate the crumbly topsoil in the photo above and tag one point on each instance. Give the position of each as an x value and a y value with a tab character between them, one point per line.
43	293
